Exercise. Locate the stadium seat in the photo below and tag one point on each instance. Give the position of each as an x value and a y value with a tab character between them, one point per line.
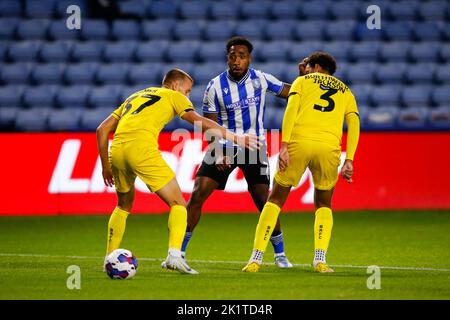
343	30
73	96
366	51
203	73
254	9
416	96
421	72
439	118
48	73
361	73
276	68
40	96
425	51
219	30
299	51
112	73
362	33
40	9
444	53
133	8
158	29
16	73
120	51
90	119
212	51
339	49
196	96
284	9
446	28
194	10
345	10
125	30
11	96
63	5
10	9
441	95
32	120
8	28
432	10
385	95
290	72
403	10
314	10
145	74
309	30
145	51
274	51
88	51
129	90
58	31
384	118
185	66
399	31
280	30
252	29
395	51
442	74
224	10
8	118
162	9
57	51
189	30
95	30
105	96
35	29
427	31
391	72
64	120
24	50
3	50
81	73
183	51
413	118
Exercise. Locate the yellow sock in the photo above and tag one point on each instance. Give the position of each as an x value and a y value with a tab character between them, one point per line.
322	228
116	229
177	226
266	223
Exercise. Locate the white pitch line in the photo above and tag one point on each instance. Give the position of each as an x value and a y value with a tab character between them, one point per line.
31	255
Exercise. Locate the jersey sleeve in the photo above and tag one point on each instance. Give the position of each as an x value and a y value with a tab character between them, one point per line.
273	84
181	104
296	86
210	102
351	105
117	114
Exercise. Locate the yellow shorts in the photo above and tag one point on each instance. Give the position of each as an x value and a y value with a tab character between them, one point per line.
138	158
322	160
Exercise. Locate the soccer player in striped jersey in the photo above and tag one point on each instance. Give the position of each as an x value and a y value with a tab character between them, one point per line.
236	100
311	138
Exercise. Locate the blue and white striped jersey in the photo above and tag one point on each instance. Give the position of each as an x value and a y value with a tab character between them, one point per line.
240	105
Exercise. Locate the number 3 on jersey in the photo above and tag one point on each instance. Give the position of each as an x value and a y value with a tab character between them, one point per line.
327	97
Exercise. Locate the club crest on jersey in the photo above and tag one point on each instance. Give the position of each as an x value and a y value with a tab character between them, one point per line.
225	90
256	83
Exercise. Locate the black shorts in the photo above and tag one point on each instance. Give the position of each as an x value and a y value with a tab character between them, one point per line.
254	165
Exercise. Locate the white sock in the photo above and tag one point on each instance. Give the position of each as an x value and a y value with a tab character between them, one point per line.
257	256
319	256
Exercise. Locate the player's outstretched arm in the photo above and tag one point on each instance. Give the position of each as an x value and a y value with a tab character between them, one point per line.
352	120
249	141
104	129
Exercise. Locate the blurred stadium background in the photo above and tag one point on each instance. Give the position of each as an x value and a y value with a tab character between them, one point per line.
400	74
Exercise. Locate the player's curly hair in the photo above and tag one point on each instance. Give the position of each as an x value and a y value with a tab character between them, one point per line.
239	40
323	59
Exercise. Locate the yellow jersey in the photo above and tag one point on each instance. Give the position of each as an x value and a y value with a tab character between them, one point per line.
319	114
145	113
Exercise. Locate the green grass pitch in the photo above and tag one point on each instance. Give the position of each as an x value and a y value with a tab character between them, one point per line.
410	247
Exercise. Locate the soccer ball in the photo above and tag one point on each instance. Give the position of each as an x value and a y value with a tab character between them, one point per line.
121	264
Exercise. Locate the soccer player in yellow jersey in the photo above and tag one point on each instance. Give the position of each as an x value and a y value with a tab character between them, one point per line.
134	152
317	105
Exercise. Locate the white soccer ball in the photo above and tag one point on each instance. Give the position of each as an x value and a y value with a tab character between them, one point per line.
121	264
